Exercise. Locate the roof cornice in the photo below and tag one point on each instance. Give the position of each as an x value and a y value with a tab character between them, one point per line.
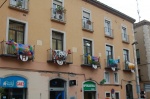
110	9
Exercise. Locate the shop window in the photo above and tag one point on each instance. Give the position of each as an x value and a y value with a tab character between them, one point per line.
57	89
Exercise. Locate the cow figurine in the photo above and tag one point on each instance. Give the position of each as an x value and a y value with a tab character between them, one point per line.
59	56
23	50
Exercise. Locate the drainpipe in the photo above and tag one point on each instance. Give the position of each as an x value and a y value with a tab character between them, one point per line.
136	69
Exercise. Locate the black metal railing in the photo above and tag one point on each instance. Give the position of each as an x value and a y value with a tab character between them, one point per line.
108	32
109	63
18	4
126	66
58	15
88	60
53	56
125	37
87	24
10	51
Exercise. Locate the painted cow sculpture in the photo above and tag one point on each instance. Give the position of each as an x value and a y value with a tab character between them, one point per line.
59	56
21	49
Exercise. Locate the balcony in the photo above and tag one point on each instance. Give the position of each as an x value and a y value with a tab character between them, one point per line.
87	25
125	38
21	5
60	57
90	61
112	64
58	15
108	32
128	67
16	50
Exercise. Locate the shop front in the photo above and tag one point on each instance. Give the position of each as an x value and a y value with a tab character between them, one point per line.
15	87
89	90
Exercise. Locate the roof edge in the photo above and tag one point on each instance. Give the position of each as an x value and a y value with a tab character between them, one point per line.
110	9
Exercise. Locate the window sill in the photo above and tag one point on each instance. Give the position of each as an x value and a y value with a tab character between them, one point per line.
111	85
109	68
58	21
18	8
127	42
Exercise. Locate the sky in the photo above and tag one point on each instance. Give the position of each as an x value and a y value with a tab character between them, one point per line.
129	7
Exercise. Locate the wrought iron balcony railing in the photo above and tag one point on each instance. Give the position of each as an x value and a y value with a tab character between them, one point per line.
90	61
60	57
87	25
125	38
108	32
58	15
113	64
13	49
19	5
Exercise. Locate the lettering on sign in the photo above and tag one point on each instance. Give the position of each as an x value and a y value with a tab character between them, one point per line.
20	83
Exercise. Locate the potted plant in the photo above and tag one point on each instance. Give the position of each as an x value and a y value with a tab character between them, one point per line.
60	9
88	22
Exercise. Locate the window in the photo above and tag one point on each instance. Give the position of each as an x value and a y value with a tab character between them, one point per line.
108	30
129	91
138	56
57	41
126	58
57	89
58	10
87	24
116	78
16	31
117	95
109	52
106	76
20	4
87	50
124	34
107	95
126	55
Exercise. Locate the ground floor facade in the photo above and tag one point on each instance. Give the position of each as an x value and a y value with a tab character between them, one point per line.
18	84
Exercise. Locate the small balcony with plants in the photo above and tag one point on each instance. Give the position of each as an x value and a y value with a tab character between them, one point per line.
128	67
108	32
21	5
59	57
90	61
87	25
10	48
58	14
112	64
125	38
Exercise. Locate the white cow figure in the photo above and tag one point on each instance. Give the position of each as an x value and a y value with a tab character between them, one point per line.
59	56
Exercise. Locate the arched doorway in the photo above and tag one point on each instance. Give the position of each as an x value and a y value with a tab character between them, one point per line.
89	90
129	91
57	89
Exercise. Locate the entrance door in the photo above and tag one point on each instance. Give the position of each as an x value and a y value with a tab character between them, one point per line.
89	95
129	91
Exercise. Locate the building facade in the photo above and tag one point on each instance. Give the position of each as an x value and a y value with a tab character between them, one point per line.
65	49
142	35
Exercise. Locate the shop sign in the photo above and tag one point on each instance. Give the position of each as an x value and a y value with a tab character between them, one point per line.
13	82
89	86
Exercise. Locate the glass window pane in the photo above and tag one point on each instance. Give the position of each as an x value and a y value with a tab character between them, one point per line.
11	35
54	44
20	37
60	47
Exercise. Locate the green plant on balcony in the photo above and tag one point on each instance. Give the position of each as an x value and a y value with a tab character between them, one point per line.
19	3
60	9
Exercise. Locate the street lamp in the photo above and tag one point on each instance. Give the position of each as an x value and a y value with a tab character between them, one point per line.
136	69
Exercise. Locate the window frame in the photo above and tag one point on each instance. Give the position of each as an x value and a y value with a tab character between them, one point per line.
64	37
25	28
107	82
25	4
128	56
138	56
115	78
118	93
124	35
112	50
109	93
108	28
